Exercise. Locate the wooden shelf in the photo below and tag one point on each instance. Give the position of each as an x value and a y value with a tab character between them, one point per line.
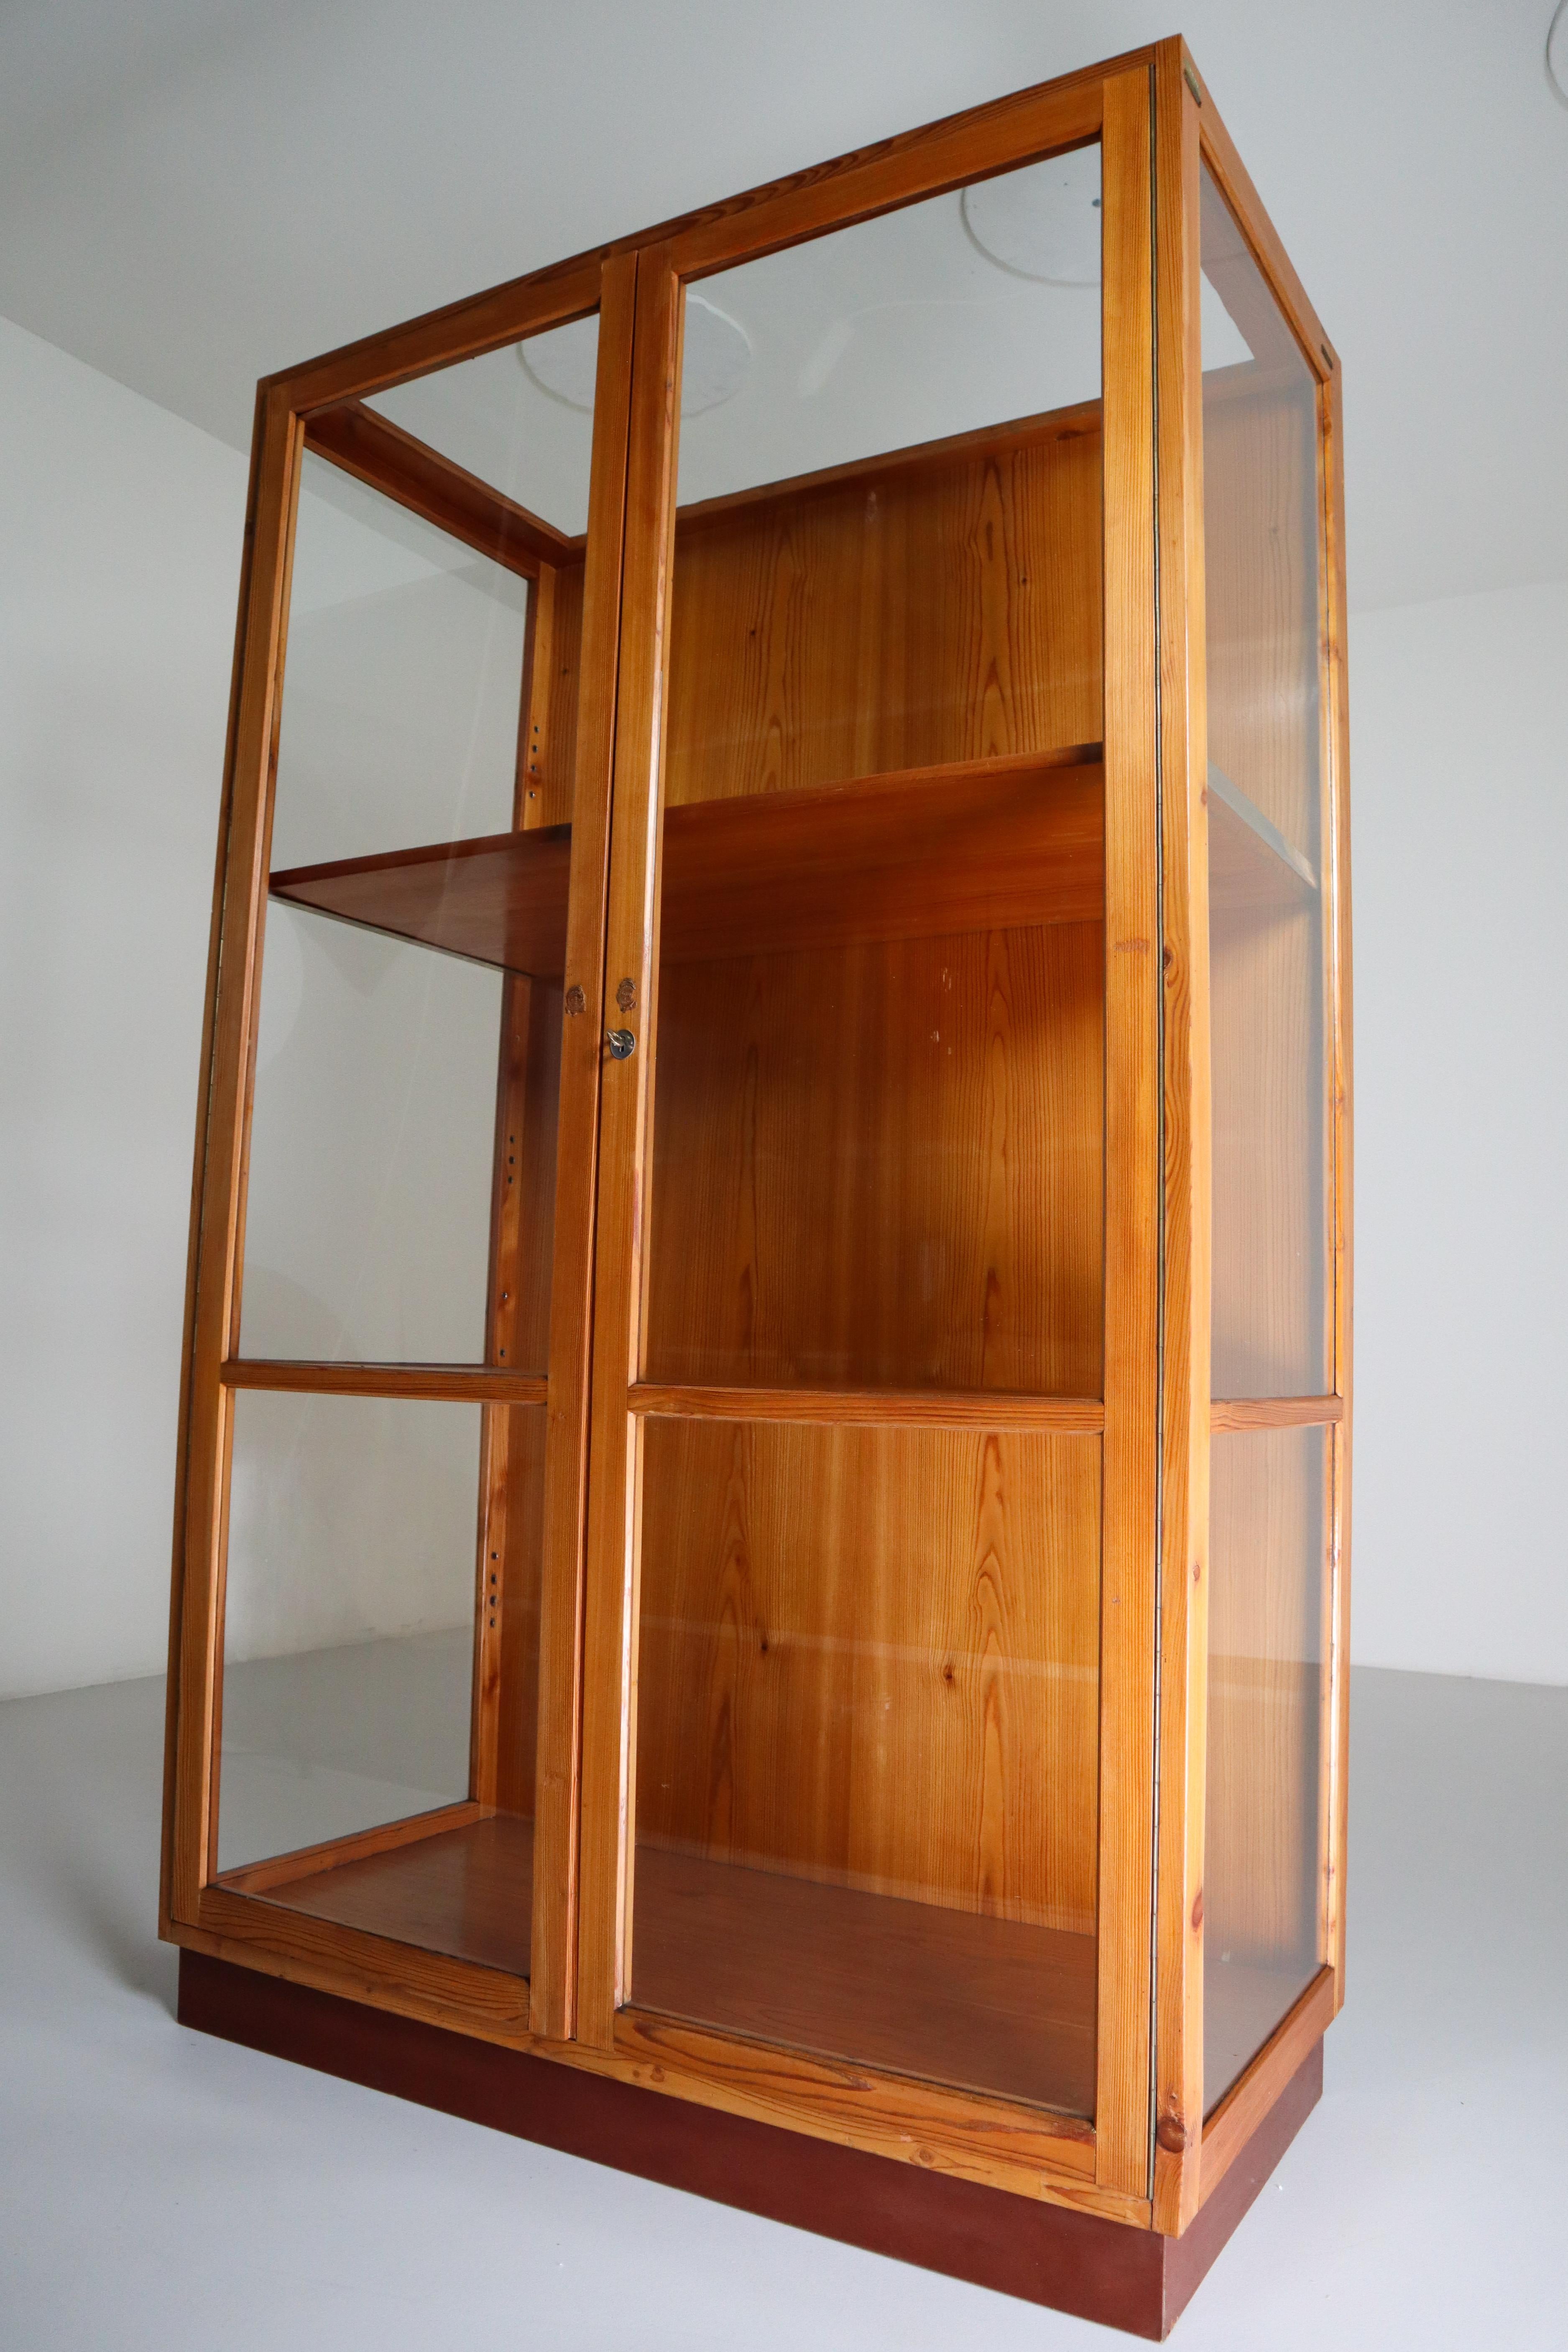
990	845
498	900
1252	866
915	1988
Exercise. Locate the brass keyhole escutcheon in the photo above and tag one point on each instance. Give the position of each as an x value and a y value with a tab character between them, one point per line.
575	1001
622	1044
627	995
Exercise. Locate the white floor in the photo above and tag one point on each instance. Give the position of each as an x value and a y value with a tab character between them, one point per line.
159	2189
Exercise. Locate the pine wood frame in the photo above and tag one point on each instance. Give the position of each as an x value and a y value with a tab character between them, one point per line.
1149	2160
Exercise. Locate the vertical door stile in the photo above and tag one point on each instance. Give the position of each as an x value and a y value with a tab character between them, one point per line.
1132	1170
609	1663
557	1780
1184	1591
217	1224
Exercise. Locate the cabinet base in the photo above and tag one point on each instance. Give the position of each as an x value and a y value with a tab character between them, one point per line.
1077	2263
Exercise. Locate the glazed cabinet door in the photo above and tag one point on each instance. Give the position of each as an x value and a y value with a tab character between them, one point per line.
385	1456
871	1557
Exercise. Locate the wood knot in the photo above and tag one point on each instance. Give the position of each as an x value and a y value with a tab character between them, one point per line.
1198	1910
1172	2134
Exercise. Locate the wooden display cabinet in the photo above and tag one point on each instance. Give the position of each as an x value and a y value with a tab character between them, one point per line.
760	1586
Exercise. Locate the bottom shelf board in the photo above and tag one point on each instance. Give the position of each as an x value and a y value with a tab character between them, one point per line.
915	1988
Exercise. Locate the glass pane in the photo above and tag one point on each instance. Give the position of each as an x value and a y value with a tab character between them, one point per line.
1261	1882
867	1680
877	1139
868	1708
402	1146
1268	861
353	1646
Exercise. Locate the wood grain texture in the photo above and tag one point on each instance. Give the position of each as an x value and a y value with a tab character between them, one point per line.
874	1408
912	1987
1030	122
906	1986
894	1689
609	1729
499	899
472	1383
504	1714
304	1862
1188	1217
890	621
951	450
183	1454
563	711
586	655
1275	1413
1133	1172
380	453
882	1167
459	330
944	154
219	1249
466	1891
998	845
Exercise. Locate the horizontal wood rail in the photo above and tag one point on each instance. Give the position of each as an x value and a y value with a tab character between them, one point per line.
375	451
307	1860
1276	1413
470	1383
896	1408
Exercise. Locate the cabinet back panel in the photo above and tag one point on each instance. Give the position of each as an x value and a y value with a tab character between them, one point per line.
882	1166
871	1657
898	618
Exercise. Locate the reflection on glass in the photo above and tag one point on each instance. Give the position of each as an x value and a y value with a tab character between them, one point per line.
1268	860
1262	1884
867	1678
867	1703
360	1782
402	1160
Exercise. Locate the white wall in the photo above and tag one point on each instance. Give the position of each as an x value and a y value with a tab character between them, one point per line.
1459	798
121	527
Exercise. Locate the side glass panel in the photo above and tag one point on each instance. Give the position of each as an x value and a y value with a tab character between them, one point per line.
1263	1836
407	1052
384	1553
1270	868
354	1641
1270	883
867	1694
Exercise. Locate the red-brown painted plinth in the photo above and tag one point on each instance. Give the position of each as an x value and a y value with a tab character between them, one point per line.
1078	2262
